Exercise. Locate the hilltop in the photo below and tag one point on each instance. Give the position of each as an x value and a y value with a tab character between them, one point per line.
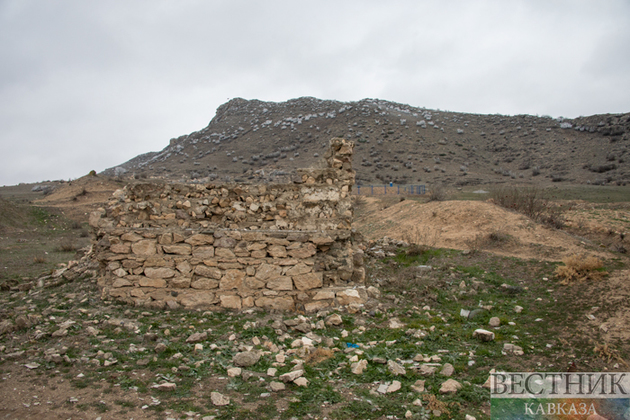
252	139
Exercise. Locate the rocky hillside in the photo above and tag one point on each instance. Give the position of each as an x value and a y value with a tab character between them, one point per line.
395	143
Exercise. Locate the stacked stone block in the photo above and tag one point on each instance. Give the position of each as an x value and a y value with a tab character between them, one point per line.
285	247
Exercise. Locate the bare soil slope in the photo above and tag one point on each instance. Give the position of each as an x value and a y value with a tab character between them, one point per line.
76	199
468	225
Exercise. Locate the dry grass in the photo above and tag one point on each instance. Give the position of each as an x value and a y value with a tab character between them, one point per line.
531	202
421	238
495	239
608	353
437	193
580	268
66	246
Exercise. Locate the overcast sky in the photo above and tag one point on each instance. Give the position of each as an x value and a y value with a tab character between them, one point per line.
90	84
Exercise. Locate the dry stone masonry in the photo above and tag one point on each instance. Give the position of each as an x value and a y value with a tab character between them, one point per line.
283	247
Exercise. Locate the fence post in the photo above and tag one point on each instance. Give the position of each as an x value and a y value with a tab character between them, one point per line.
358	190
398	189
372	186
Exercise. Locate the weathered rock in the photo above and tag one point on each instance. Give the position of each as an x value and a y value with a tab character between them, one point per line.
308	281
483	335
418	386
277	386
301	381
166	386
349	296
427	370
395	368
334	320
204	283
291	376
234	372
144	247
451	386
159	272
219	399
231	302
358	367
6	326
447	370
393	387
246	358
512	348
197	337
394	323
494	321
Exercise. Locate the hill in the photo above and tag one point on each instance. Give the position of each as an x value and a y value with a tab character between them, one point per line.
249	139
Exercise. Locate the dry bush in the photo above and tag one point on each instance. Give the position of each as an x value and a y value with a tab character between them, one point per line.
39	260
437	193
531	202
66	246
421	238
579	268
494	239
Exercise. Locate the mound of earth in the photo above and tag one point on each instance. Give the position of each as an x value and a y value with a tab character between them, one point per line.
467	225
76	199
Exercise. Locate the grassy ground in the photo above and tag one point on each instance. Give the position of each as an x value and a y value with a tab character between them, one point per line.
33	240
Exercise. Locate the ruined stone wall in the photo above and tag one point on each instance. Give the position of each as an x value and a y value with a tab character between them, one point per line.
286	247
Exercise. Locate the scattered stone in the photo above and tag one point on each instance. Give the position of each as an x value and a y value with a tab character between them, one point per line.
301	381
197	337
512	348
334	320
219	399
60	333
32	365
277	386
291	376
246	358
427	370
358	367
408	414
447	370
272	371
160	347
451	386
234	372
394	323
469	417
166	386
198	348
418	386
395	386
379	360
483	335
494	321
395	368
518	309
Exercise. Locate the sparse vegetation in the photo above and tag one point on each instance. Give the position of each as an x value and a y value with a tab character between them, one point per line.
437	193
530	201
580	268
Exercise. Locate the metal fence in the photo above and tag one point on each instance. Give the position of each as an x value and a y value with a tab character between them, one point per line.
390	189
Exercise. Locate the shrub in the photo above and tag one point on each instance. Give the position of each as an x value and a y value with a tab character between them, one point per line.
437	193
580	268
66	246
531	202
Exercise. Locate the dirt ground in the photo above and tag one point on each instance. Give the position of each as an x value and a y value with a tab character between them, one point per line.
462	224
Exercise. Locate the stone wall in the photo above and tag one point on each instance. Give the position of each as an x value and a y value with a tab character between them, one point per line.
285	247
